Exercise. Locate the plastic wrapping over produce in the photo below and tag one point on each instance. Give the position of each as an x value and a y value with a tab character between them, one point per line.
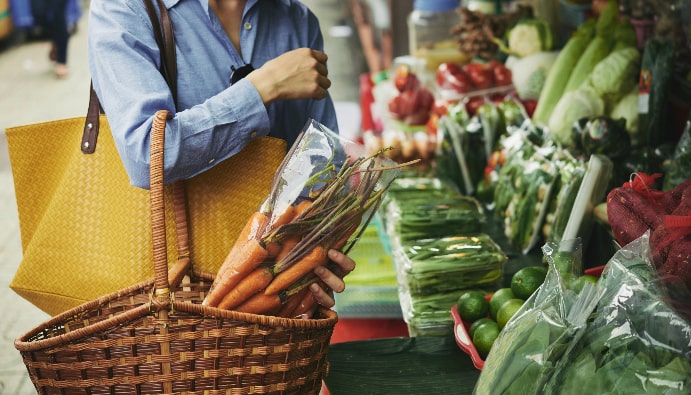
433	273
523	193
636	342
538	335
451	263
627	335
322	197
422	217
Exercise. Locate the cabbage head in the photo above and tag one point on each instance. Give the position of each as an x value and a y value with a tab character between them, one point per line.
615	75
583	102
627	108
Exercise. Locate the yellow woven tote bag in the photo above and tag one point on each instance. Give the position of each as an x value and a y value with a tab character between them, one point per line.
79	215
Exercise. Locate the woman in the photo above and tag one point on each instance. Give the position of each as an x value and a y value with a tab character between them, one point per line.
277	44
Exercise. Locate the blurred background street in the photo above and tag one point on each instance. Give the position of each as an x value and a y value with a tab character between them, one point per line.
30	93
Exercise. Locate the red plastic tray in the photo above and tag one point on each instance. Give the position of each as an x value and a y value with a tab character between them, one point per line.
460	331
461	327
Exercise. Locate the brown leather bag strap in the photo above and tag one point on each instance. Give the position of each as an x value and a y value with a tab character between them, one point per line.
163	33
92	124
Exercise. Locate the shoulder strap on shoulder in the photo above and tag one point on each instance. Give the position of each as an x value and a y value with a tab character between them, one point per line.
163	33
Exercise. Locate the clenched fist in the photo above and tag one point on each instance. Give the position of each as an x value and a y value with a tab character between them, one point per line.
297	74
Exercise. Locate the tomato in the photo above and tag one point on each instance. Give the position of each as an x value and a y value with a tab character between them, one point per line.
404	79
502	75
473	104
451	76
412	106
480	75
395	107
445	69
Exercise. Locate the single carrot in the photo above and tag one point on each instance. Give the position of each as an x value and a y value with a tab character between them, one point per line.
286	246
308	303
317	256
284	218
254	282
239	263
253	229
292	302
273	248
260	303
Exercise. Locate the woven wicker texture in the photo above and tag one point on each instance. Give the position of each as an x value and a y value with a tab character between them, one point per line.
86	231
232	353
155	337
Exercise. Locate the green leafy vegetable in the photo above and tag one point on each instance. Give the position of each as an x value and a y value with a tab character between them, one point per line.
583	102
530	73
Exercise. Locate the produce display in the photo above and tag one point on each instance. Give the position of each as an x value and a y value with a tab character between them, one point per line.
439	265
636	208
479	318
531	134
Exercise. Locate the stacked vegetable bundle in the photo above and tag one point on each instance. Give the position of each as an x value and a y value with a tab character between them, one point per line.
439	250
322	196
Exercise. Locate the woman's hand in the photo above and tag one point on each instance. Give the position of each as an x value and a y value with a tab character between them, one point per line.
297	74
333	280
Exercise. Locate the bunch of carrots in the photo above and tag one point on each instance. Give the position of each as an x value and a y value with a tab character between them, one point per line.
270	267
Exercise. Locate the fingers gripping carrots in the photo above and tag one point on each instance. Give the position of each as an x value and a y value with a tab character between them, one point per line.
296	271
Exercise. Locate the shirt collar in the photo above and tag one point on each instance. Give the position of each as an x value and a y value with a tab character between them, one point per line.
205	4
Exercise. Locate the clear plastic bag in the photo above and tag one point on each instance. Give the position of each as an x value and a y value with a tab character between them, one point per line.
630	334
523	357
322	197
636	341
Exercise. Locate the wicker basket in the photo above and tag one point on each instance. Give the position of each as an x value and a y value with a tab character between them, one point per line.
156	338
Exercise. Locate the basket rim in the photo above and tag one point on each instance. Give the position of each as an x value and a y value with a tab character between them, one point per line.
23	344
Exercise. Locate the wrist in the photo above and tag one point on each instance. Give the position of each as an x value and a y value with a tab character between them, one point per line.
263	86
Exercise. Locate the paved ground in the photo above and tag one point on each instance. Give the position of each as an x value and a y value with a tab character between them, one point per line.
29	93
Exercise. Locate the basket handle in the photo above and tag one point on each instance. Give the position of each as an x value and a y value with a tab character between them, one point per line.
158	215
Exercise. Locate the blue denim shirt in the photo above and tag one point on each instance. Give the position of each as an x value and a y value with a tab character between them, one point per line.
213	120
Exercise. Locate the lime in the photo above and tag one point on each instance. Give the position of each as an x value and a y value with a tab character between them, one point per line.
473	327
472	306
507	310
484	337
578	283
499	297
527	280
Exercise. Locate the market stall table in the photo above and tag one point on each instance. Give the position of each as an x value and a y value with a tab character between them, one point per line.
400	365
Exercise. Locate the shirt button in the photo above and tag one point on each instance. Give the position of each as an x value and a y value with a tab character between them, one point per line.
212	161
248	26
253	135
